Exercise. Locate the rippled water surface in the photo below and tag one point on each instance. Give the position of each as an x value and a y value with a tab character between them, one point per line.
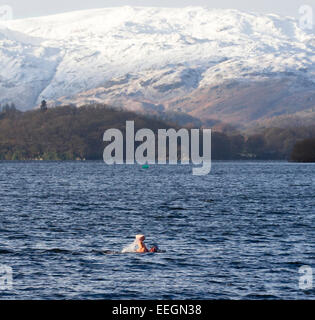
241	232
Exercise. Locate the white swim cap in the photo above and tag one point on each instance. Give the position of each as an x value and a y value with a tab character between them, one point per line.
140	237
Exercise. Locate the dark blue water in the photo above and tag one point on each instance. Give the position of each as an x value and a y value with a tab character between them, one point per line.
241	232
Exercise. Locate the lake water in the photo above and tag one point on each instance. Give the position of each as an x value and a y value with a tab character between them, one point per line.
242	232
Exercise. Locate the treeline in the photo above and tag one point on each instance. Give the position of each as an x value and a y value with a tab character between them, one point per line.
6	108
63	133
277	143
70	133
304	151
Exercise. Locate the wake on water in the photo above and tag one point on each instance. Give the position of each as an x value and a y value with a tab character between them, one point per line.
132	247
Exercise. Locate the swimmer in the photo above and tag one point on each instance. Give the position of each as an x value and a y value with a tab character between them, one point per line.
142	247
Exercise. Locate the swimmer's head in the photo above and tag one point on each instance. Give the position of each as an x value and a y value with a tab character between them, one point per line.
140	237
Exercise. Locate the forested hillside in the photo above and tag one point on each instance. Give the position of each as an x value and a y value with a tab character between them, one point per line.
70	133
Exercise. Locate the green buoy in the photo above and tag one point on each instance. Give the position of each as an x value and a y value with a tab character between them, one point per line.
145	166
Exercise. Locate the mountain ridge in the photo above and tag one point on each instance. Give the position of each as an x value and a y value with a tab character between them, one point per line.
159	59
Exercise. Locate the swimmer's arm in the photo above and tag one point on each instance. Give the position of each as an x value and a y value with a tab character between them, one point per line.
142	248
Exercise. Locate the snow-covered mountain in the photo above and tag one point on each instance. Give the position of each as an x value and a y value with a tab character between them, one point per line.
210	63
